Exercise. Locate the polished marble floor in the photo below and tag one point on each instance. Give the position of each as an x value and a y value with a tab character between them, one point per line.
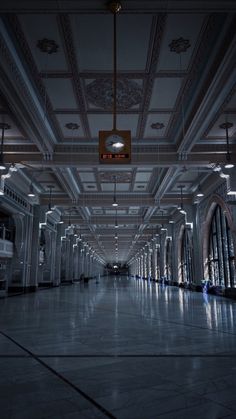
121	348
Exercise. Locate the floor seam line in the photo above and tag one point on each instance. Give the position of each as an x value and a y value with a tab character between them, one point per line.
81	392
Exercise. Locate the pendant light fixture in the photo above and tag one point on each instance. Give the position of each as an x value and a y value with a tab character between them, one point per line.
115	204
116	224
200	193
226	126
3	127
181	208
31	193
114	145
162	224
49	211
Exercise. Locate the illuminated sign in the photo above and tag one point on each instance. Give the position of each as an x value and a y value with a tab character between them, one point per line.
114	146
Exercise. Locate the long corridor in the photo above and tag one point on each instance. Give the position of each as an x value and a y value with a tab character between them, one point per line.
121	348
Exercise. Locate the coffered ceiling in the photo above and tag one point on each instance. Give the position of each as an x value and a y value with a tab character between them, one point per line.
176	85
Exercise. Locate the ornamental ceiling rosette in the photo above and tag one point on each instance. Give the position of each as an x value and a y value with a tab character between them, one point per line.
100	93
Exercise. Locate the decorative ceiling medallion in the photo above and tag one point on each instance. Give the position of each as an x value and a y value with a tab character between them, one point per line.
100	93
226	125
157	125
179	45
72	126
121	177
5	126
47	45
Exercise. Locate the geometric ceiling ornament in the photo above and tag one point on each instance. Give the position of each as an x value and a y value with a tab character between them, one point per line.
179	45
115	145
225	126
47	45
120	176
157	125
72	126
100	93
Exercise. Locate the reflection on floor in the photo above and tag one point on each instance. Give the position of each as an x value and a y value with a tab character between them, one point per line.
121	348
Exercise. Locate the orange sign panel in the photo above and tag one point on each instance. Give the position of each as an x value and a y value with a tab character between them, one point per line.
114	147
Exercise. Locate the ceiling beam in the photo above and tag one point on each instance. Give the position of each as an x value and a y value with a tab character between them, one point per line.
204	157
138	6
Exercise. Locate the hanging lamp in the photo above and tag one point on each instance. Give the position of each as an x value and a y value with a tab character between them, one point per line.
49	211
200	193
162	224
114	204
31	193
226	126
181	208
115	145
116	224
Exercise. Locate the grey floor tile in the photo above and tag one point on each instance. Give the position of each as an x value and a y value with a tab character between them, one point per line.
141	352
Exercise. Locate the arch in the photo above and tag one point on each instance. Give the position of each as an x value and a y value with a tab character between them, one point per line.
209	211
185	255
168	259
179	244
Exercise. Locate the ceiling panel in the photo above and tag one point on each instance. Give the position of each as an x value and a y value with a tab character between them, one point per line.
99	122
73	134
157	125
13	131
99	40
114	212
217	132
184	26
231	104
86	176
104	122
122	187
128	122
188	176
38	27
133	211
186	187
90	187
143	176
164	94
61	94
107	187
99	93
116	173
140	187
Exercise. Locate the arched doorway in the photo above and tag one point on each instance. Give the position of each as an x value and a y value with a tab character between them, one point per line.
186	256
168	259
221	256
